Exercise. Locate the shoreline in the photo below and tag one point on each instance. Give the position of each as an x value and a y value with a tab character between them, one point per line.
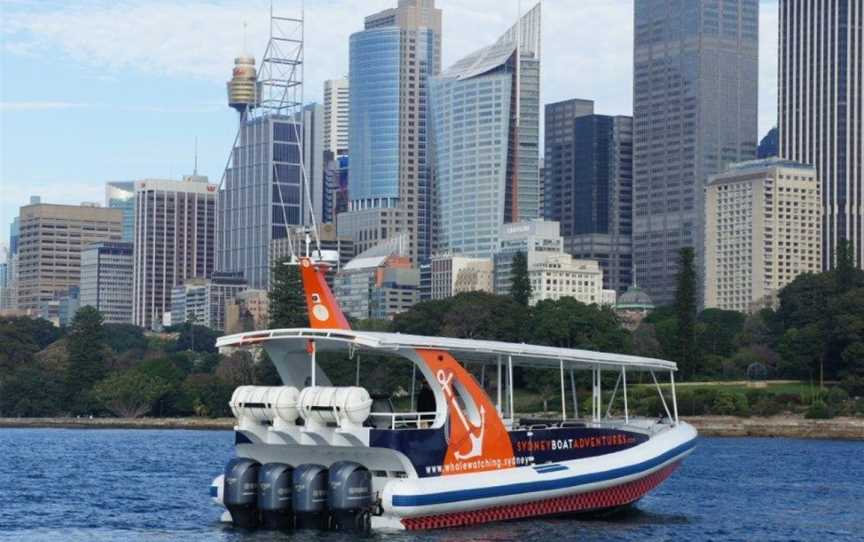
845	428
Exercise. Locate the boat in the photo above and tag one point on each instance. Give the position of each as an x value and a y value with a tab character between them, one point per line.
313	455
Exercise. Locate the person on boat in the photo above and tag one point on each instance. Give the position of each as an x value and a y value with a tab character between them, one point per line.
426	403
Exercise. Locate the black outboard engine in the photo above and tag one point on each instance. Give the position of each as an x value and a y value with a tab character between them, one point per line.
350	496
310	497
241	491
274	495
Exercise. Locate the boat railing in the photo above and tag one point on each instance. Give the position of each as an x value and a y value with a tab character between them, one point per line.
403	420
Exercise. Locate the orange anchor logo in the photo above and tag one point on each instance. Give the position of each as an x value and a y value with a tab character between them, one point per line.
474	436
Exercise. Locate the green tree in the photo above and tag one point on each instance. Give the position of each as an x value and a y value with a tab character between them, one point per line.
17	349
166	371
237	369
31	391
122	338
130	394
40	331
801	351
86	348
266	373
207	395
287	298
195	338
424	318
845	271
520	289
567	323
481	315
685	312
717	330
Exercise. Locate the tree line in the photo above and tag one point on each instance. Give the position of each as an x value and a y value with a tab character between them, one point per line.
92	368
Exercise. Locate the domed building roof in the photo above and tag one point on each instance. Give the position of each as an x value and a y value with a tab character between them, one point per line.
635	298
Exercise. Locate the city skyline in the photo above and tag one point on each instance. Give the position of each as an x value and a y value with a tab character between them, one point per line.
98	84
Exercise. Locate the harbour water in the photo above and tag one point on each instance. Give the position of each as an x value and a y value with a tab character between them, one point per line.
76	484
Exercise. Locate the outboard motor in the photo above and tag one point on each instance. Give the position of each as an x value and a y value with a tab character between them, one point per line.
350	496
310	497
274	495
240	492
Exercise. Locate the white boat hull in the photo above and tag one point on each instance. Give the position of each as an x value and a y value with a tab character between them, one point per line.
587	484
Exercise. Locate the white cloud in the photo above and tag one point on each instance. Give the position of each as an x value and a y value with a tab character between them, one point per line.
30	106
587	46
46	105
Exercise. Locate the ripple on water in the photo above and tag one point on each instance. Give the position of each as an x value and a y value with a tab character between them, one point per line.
76	485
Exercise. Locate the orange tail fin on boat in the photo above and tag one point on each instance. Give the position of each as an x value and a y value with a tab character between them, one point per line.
324	311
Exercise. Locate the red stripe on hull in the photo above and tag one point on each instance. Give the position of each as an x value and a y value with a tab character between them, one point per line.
582	502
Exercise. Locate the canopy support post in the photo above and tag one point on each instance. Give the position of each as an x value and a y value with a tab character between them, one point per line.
674	398
413	380
614	393
498	386
624	378
357	377
563	395
510	378
660	391
596	394
575	398
312	360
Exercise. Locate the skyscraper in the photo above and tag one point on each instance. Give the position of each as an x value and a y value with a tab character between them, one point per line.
49	250
4	286
601	220
820	109
485	113
558	185
390	61
262	196
175	226
695	111
106	280
121	195
312	143
336	108
763	229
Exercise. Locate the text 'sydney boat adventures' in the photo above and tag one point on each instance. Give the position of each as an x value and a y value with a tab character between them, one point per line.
309	454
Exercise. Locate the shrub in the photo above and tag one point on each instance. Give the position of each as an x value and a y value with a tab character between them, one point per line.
818	411
788	399
727	403
755	395
766	406
207	395
854	385
836	395
650	406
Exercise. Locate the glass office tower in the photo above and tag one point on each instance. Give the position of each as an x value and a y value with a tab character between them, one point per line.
695	112
821	108
389	65
485	113
261	198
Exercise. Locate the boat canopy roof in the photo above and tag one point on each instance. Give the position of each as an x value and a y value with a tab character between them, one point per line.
465	350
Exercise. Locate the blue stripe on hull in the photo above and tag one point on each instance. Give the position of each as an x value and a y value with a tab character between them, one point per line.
544	485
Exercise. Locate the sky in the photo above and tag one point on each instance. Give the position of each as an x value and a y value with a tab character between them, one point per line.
104	90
